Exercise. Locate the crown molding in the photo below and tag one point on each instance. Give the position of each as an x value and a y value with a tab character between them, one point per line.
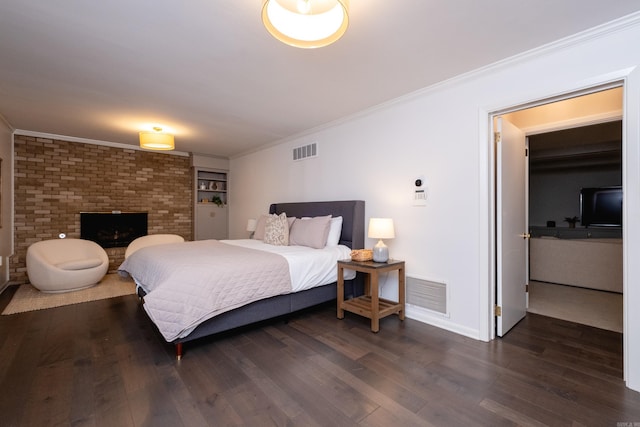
94	142
610	27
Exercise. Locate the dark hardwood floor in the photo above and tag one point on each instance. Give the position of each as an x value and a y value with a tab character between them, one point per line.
103	364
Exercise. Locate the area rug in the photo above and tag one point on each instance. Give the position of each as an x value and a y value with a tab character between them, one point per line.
28	298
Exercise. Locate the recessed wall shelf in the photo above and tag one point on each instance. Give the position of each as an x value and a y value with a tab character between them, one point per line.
211	198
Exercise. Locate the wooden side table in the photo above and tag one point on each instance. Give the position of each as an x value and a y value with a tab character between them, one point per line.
371	305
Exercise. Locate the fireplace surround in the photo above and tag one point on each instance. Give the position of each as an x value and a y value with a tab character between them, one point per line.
113	229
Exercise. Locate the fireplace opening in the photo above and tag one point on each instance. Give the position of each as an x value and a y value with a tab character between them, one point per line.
113	229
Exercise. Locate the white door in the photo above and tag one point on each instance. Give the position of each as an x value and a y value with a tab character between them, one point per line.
511	225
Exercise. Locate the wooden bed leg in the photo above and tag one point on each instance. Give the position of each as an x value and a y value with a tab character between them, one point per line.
178	351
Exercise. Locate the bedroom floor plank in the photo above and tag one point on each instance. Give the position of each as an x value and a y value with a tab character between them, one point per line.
104	363
17	380
208	396
292	374
279	396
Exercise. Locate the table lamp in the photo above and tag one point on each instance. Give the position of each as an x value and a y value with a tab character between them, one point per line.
381	228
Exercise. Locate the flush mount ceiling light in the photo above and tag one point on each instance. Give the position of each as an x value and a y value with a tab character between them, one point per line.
156	140
306	23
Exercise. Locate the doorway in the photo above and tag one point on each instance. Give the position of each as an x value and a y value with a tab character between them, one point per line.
575	257
597	109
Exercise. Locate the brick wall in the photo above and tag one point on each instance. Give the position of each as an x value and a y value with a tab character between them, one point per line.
56	180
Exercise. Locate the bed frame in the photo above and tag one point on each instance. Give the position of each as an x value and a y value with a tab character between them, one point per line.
352	213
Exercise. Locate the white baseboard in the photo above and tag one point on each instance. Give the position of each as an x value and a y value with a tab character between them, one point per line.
440	321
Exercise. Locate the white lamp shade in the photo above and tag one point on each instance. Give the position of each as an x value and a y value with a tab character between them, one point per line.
251	225
156	141
306	23
381	228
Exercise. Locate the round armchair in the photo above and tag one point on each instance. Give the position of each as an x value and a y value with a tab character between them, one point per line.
151	240
63	265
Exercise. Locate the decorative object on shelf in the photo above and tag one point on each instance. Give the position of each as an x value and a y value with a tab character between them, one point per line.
251	227
203	186
212	185
381	228
571	220
306	23
217	201
361	255
156	140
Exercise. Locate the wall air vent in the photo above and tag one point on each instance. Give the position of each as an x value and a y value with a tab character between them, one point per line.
305	151
427	294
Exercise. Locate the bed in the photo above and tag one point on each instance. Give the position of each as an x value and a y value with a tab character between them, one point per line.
174	300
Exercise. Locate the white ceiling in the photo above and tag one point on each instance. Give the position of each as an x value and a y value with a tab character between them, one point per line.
212	74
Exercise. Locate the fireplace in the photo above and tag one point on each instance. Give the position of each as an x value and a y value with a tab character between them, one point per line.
113	229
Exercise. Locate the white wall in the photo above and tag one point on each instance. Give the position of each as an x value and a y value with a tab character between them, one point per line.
6	204
442	134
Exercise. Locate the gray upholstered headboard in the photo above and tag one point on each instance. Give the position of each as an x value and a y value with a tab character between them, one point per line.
351	211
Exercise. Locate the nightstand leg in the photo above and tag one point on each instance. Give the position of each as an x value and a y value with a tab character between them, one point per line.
375	303
367	284
401	293
340	296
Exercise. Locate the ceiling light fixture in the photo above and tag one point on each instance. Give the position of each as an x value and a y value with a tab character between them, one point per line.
306	23
156	140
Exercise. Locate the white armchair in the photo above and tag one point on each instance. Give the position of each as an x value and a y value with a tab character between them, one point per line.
152	240
63	265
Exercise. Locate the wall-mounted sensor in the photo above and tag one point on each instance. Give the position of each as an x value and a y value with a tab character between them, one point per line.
419	192
62	235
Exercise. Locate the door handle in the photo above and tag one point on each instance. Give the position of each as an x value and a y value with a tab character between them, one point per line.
525	235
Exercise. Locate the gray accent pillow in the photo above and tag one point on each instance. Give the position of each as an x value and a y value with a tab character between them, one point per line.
311	232
258	234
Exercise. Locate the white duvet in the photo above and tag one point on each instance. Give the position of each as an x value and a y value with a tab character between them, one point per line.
188	283
308	267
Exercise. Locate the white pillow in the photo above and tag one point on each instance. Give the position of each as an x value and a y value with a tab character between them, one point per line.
335	229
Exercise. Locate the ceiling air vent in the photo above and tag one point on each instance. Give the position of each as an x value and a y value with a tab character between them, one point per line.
305	151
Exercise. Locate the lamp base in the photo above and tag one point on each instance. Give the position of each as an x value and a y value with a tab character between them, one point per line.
380	252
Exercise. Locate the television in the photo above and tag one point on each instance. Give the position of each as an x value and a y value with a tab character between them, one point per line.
601	206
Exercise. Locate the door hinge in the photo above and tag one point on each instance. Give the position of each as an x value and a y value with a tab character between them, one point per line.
526	152
498	311
497	136
526	288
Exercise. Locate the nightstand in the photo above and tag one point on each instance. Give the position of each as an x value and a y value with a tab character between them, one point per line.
371	305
